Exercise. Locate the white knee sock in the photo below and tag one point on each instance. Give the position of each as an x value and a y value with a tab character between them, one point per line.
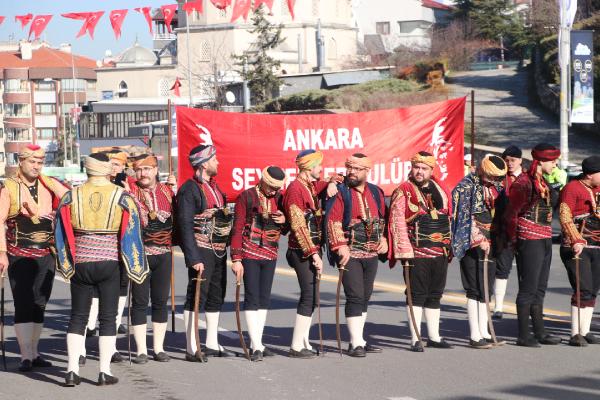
300	327
24	334
139	334
253	323
106	345
432	315
190	337
483	322
473	315
35	339
364	322
575	320
306	339
212	330
93	318
262	320
418	311
74	345
587	314
499	293
159	329
83	349
355	326
121	308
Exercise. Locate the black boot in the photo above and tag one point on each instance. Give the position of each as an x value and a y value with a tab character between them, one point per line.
72	379
537	319
525	339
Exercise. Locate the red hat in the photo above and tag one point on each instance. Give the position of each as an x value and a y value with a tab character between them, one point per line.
545	152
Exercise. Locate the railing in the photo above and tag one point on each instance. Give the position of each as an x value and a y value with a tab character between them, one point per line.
164	36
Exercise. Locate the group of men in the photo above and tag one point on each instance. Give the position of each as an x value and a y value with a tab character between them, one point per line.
114	234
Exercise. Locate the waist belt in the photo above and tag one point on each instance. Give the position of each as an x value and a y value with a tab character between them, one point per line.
263	232
217	228
483	221
23	233
313	222
541	214
158	233
430	232
364	234
590	229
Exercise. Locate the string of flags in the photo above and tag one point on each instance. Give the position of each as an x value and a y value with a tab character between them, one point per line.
240	9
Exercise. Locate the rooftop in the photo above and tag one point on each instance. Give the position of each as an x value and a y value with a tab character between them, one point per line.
44	57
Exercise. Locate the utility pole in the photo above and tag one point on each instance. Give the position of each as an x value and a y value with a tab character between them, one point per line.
565	55
189	59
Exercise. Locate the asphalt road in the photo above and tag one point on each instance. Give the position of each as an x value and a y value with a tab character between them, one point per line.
557	372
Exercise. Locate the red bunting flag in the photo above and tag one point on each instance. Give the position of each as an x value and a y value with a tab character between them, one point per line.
1	19
190	6
90	21
268	3
221	4
116	20
146	12
175	87
38	25
24	19
168	13
241	8
291	4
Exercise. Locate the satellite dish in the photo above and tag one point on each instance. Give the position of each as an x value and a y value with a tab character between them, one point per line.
230	97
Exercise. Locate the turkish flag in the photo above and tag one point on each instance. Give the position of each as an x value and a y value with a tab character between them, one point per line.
24	19
116	20
221	4
169	12
38	25
1	19
90	21
241	7
291	4
268	3
146	12
190	6
175	87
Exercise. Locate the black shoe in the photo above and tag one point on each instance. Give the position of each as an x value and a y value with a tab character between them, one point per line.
122	329
140	359
358	351
591	338
497	315
496	343
25	366
529	341
39	362
417	347
268	353
105	379
90	332
578	341
161	357
442	344
116	358
201	357
480	344
72	379
304	353
257	355
82	361
548	339
369	348
208	352
191	357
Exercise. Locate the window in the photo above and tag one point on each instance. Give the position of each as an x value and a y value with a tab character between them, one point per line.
164	88
1	156
17	110
12	159
18	134
46	134
73	85
409	26
205	51
45	109
123	89
16	85
382	28
91	86
44	86
315	7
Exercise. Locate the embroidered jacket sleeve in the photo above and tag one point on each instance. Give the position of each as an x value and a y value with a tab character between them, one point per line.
294	203
477	237
4	207
239	224
335	229
518	200
398	241
189	204
569	198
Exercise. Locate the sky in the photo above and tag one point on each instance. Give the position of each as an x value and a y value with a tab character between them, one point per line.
63	30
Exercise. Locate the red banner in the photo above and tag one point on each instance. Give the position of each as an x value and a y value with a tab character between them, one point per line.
246	143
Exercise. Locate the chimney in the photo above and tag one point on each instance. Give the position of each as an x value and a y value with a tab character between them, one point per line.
65	47
25	49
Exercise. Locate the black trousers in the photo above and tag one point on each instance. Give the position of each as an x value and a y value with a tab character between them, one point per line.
358	284
155	288
504	262
103	277
533	268
307	278
589	274
124	282
428	280
471	274
212	290
31	281
258	281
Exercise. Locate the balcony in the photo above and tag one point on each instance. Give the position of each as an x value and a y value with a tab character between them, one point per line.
45	121
44	96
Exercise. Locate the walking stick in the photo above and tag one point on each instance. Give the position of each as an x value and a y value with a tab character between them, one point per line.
486	293
409	300
199	355
341	270
578	293
2	320
129	321
238	319
318	299
170	158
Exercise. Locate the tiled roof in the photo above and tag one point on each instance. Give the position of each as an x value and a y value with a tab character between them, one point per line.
435	4
44	57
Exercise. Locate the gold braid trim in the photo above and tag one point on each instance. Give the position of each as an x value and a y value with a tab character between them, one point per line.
300	229
568	226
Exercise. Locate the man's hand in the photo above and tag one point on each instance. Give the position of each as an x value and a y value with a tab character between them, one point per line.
199	267
332	189
344	254
172	180
382	247
485	246
317	262
278	217
238	269
3	263
578	248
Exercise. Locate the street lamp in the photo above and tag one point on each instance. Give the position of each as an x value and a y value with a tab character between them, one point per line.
64	122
